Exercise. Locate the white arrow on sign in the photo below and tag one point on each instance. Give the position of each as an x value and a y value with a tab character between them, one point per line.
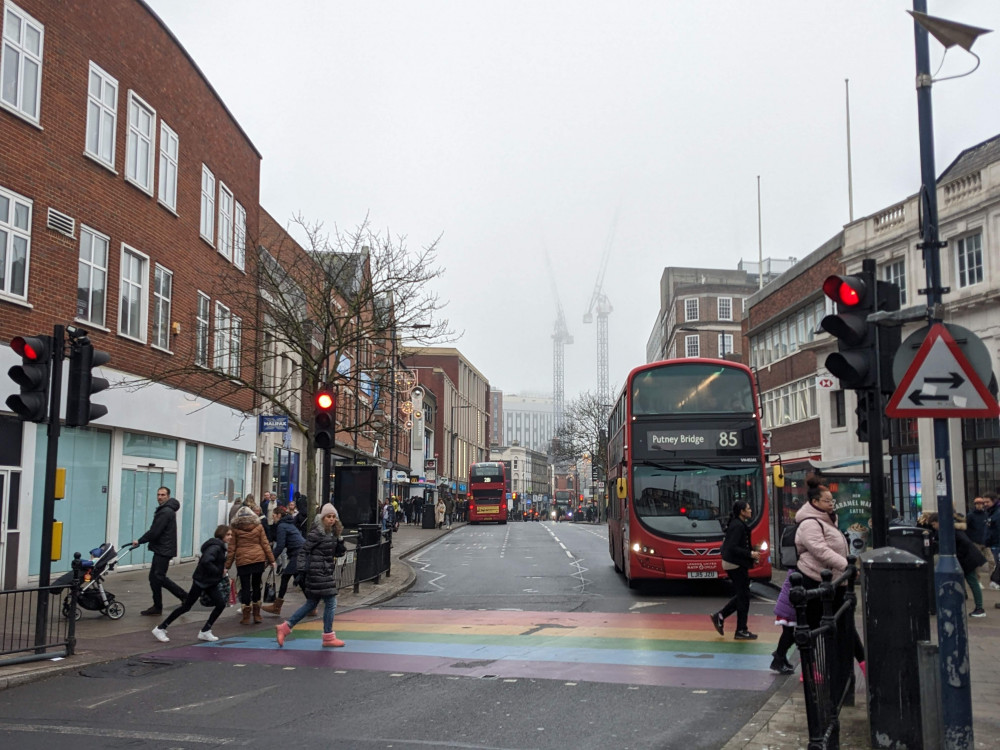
941	383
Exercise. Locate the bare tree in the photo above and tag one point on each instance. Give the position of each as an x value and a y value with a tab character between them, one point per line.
584	431
328	312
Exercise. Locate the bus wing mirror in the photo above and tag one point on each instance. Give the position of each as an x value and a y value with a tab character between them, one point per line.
622	487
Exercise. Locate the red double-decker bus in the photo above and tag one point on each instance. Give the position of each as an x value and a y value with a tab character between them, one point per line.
684	443
487	492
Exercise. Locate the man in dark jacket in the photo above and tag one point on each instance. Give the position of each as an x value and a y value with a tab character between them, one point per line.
162	540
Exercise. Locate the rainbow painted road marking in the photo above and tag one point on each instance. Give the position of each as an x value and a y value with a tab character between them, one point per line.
637	649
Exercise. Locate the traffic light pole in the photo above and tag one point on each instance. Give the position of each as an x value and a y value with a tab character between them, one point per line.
49	500
953	641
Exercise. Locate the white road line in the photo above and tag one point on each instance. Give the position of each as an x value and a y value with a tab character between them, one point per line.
121	734
222	699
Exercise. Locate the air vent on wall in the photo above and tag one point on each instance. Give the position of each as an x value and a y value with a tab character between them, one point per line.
60	222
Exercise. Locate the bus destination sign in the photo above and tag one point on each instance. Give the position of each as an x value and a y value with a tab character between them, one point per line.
681	440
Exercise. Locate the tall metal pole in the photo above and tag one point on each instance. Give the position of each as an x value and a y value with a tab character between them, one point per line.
392	412
760	242
953	642
850	181
49	500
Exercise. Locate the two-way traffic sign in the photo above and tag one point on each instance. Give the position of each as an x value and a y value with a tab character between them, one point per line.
941	383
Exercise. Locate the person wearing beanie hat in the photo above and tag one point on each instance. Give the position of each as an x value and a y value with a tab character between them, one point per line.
317	567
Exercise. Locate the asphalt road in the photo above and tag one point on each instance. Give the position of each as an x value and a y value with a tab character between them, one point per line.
513	637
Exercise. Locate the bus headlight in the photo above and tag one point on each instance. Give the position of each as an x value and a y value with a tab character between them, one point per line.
636	547
763	546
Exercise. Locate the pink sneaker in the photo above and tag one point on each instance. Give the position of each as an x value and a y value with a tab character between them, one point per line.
330	640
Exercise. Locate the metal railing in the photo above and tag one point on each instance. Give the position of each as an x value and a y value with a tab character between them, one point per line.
33	622
369	560
827	653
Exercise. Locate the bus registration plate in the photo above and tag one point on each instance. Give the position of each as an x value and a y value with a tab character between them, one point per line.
702	574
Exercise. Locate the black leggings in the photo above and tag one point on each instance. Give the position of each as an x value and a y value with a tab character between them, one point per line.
218	604
740	603
250	581
285	578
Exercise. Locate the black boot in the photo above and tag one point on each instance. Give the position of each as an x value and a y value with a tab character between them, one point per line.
780	664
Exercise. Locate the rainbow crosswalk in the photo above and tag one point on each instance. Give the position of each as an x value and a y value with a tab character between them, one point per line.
675	650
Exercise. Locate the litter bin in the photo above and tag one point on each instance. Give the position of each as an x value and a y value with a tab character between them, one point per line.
429	521
917	541
895	620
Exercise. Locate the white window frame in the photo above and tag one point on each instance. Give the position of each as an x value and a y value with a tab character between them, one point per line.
140	147
728	338
225	235
202	329
163	292
240	237
133	287
728	302
102	116
169	155
894	271
235	345
13	230
688	308
692	346
16	48
220	349
88	268
207	227
970	275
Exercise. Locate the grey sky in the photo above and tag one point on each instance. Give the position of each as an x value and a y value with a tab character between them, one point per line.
513	127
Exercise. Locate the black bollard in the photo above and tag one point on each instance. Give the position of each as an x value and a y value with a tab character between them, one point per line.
895	619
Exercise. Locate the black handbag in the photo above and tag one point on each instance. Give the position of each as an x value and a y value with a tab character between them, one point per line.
269	592
206	595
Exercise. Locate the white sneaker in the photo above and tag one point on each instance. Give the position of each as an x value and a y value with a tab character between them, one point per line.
161	635
206	635
995	586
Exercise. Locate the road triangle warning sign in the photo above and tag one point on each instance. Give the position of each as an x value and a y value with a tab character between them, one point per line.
940	382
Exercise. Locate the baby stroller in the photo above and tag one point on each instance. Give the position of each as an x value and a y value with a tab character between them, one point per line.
93	596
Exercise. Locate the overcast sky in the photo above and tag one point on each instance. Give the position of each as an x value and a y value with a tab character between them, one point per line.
515	128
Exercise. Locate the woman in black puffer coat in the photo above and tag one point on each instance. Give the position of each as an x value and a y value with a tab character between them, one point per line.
317	567
205	579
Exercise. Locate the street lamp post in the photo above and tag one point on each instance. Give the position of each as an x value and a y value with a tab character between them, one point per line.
953	642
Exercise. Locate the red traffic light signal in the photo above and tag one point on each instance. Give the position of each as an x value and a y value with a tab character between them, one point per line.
33	376
324	424
846	291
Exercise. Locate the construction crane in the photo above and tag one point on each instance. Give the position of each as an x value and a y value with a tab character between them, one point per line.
600	304
560	337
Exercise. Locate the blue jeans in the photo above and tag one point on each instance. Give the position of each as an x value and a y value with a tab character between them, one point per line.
330	606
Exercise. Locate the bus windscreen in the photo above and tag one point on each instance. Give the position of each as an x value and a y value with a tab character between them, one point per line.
695	388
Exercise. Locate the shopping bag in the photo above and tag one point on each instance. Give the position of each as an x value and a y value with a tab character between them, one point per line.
269	592
232	592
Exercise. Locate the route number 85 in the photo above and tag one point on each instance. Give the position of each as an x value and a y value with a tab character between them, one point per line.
729	439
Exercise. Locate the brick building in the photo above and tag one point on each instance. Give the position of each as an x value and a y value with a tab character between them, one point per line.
127	194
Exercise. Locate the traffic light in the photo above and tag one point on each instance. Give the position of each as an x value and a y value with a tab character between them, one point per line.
864	357
82	384
324	427
33	375
869	404
854	362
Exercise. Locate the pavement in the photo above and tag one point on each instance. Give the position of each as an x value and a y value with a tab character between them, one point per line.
780	724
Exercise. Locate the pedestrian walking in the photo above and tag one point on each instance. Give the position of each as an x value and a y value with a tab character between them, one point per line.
784	615
288	539
251	552
317	567
235	507
738	556
969	557
449	511
976	529
207	576
439	511
822	545
162	541
992	508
